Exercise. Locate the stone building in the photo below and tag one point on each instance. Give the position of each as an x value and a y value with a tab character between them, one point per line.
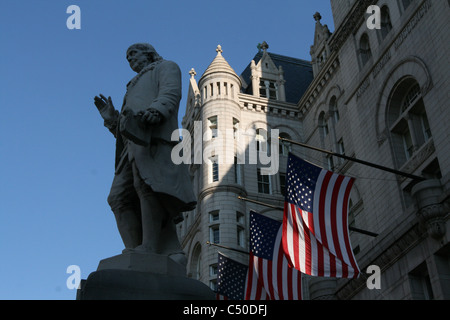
374	94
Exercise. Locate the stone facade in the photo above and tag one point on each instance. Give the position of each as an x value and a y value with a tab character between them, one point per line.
377	95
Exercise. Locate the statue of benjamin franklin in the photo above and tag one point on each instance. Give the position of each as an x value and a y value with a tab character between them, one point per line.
149	191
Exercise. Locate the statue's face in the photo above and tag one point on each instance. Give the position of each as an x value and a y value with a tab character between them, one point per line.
137	59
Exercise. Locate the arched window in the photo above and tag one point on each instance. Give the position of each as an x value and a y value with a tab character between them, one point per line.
196	262
407	120
323	125
386	25
364	49
334	109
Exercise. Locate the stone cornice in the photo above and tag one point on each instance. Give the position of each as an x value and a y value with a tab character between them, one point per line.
273	107
318	84
216	187
353	20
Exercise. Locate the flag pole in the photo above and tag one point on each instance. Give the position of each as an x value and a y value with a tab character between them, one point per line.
225	247
368	233
373	165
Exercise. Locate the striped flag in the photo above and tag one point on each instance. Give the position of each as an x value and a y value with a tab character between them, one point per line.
315	227
268	264
235	283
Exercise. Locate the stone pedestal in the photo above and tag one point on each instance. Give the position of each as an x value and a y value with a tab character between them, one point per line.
141	276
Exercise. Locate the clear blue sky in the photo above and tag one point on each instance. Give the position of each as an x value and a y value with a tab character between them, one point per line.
57	159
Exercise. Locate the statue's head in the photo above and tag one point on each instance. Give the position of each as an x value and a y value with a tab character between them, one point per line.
140	55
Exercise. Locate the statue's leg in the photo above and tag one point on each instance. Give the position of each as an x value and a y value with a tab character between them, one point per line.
124	203
157	211
152	217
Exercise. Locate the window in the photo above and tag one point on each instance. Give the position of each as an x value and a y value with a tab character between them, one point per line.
267	89
213	270
214	169
364	49
235	128
213	285
214	216
240	229
341	148
196	262
330	163
407	120
263	182
240	217
212	125
334	110
214	234
323	124
386	25
420	283
240	236
261	140
282	183
237	172
285	146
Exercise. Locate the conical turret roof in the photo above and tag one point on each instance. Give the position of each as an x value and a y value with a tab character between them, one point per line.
219	65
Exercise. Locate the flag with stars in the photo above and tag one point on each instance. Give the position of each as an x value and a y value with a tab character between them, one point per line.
233	282
268	264
315	227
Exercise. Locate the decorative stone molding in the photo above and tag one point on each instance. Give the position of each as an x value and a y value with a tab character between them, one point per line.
431	211
353	20
419	157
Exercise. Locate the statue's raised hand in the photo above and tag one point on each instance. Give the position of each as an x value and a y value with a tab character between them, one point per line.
105	107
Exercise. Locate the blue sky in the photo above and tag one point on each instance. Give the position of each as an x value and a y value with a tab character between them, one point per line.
57	159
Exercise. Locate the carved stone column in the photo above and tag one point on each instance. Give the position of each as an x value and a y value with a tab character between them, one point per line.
431	211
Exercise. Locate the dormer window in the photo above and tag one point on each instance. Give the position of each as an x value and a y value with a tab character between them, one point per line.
267	89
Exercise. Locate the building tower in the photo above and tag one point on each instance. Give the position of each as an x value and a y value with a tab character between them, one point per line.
232	119
214	107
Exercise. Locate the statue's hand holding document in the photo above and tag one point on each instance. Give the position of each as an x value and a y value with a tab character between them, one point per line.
134	126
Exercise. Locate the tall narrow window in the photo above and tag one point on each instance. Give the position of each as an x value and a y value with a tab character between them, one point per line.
341	148
282	183
330	163
420	284
334	110
240	236
237	172
364	49
235	128
214	169
263	182
214	234
212	124
323	124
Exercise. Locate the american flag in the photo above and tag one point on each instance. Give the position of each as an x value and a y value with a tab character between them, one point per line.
268	264
315	228
232	281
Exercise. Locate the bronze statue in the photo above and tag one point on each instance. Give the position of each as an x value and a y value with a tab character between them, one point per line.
149	191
